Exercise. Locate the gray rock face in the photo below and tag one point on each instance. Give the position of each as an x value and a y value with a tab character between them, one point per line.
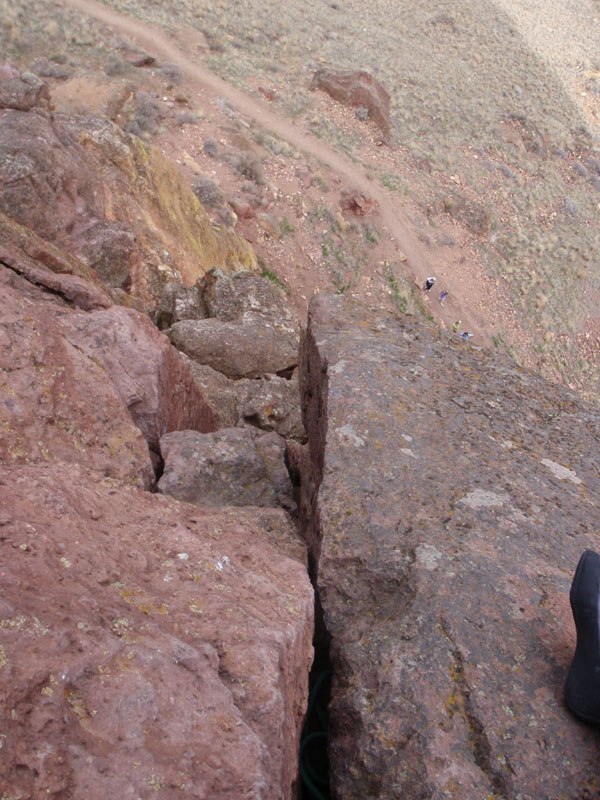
234	466
244	297
271	404
21	90
179	302
454	494
246	350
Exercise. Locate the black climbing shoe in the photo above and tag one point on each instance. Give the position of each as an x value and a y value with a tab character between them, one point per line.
582	688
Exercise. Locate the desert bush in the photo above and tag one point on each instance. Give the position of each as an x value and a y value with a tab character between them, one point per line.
115	66
211	148
172	72
146	116
249	166
186	118
208	192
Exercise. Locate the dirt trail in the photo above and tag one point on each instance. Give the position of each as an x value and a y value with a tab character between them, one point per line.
153	40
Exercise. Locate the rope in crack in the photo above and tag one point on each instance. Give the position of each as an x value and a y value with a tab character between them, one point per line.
313	762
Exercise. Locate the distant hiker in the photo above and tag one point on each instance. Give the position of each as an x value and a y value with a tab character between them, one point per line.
428	284
443	296
466	335
456	326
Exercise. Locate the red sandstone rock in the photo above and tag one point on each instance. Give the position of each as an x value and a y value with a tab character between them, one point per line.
147	647
82	183
358	203
44	265
151	378
357	89
447	504
242	208
56	403
268	92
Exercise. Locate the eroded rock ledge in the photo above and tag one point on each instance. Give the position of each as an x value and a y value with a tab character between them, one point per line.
452	495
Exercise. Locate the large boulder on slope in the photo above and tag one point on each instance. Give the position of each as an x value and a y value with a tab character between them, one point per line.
454	495
357	89
234	466
148	648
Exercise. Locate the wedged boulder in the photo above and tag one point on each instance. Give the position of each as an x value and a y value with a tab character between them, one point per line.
238	350
21	90
147	647
56	403
178	302
119	205
234	466
454	496
272	405
356	89
220	392
245	296
151	378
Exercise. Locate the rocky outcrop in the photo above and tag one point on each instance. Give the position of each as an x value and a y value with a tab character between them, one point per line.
56	403
147	647
357	89
272	404
150	376
234	466
178	302
454	494
238	350
21	90
118	204
45	265
86	386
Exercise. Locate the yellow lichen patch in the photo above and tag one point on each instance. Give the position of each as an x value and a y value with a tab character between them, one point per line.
76	704
3	659
156	783
135	598
48	691
120	626
195	608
